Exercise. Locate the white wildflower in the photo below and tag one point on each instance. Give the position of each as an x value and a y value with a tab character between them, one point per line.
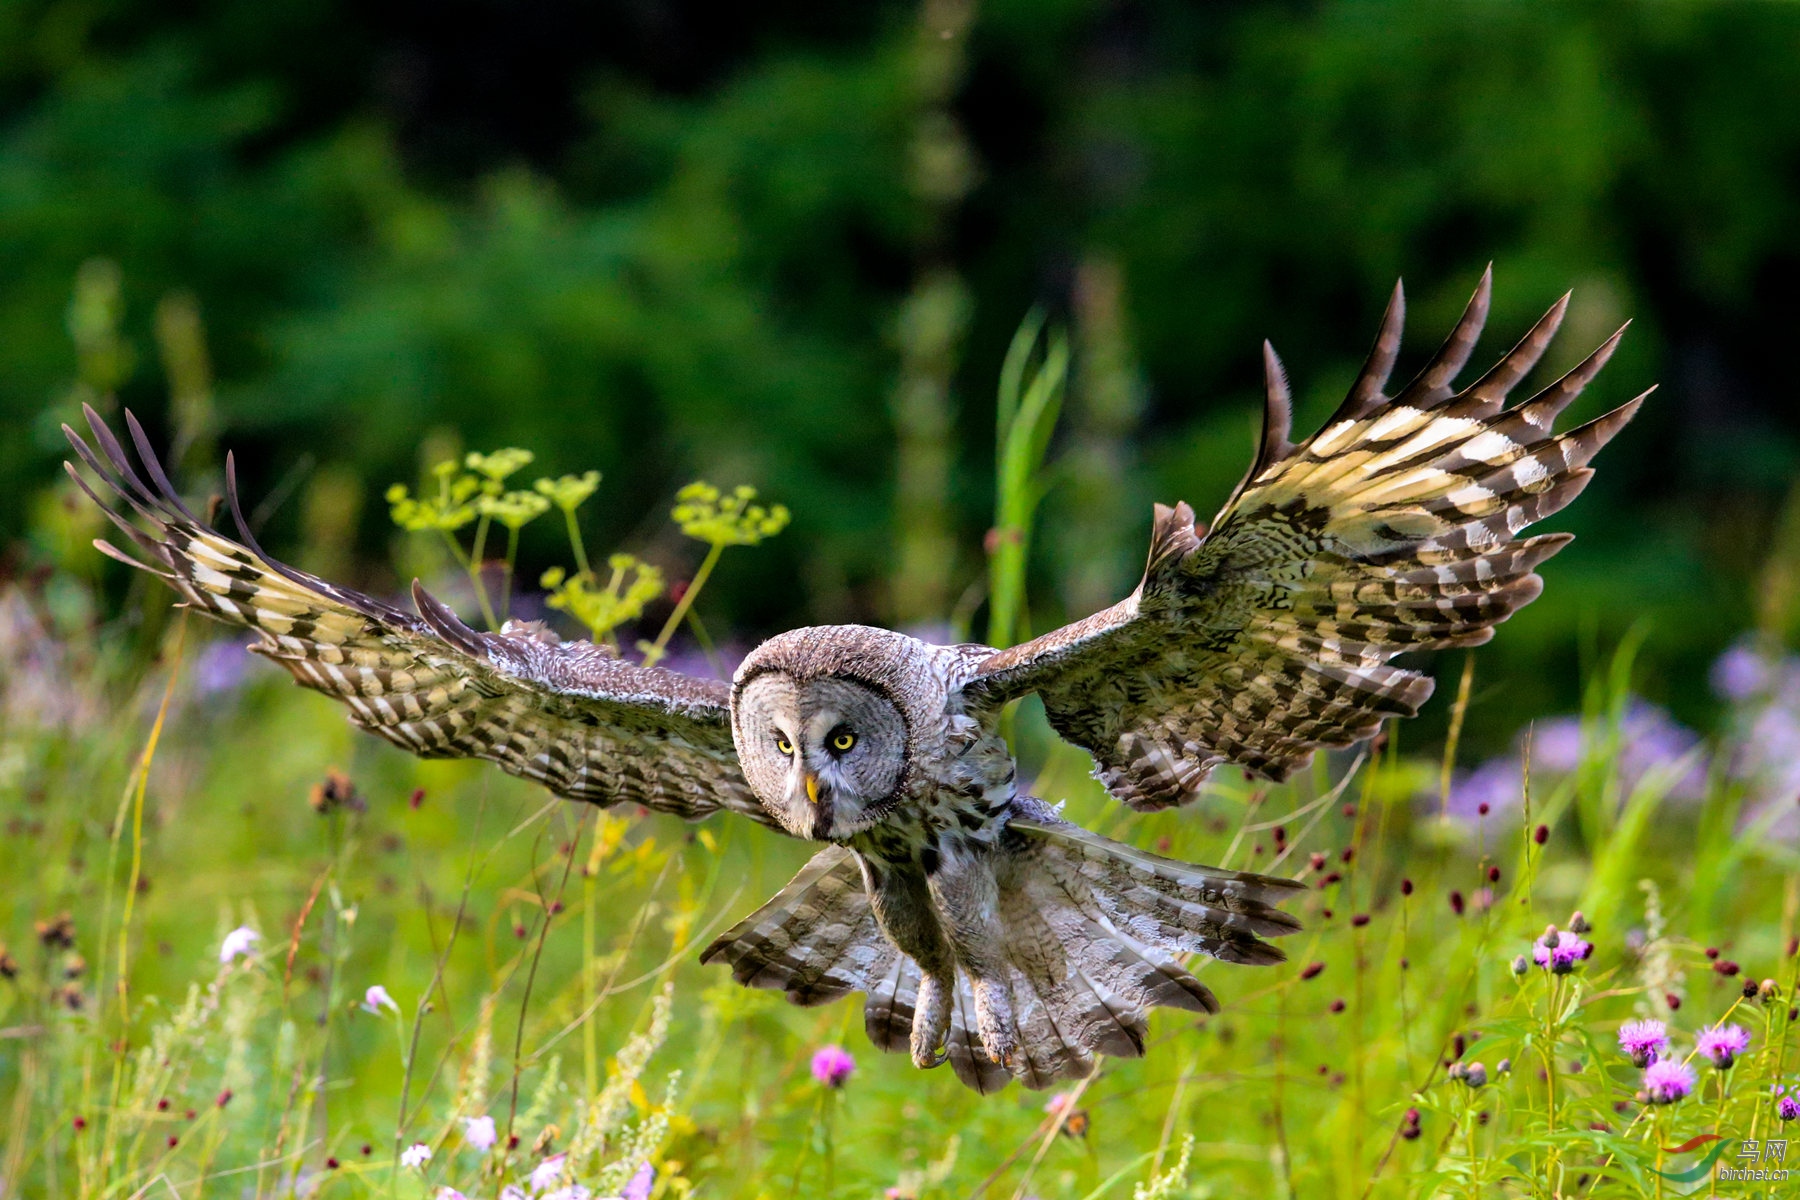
376	999
480	1133
546	1173
239	942
415	1155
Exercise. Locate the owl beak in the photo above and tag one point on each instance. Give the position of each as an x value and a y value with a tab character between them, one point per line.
812	789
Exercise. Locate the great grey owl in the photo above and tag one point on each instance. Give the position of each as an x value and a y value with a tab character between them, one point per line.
983	928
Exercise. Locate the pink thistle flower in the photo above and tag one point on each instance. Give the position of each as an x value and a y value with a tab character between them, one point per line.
832	1065
1558	951
1644	1041
1668	1080
1721	1044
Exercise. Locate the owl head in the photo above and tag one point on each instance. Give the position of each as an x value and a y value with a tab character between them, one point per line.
824	720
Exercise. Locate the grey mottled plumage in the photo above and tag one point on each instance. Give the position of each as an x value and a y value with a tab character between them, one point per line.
985	930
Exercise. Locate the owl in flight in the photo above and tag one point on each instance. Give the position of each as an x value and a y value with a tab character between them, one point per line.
984	929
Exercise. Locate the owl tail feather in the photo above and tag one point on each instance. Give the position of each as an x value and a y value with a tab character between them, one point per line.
1092	934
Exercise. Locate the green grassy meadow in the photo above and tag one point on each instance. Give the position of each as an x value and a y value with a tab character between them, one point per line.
526	942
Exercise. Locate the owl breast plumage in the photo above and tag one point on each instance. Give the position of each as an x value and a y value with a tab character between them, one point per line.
985	930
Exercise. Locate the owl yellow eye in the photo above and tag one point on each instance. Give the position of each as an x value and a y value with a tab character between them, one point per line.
785	746
843	740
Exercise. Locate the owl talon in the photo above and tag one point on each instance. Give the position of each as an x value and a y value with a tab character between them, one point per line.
931	1023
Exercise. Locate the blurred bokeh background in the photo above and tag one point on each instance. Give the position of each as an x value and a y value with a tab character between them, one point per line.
787	245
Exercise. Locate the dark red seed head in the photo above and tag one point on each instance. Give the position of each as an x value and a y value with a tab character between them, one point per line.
1482	809
1726	967
367	1149
1712	952
1541	834
80	1124
162	1105
224	1098
332	1164
1348	854
1349	810
1406	887
1359	920
1311	970
1457	903
173	1141
418	798
1329	879
1337	1006
1493	874
1673	1001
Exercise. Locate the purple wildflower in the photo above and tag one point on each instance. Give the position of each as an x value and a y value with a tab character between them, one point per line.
1644	1041
832	1065
642	1180
1558	951
1787	1106
1721	1044
1496	783
221	667
1668	1080
1556	744
1743	673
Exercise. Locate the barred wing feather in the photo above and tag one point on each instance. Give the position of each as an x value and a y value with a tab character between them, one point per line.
1391	529
568	715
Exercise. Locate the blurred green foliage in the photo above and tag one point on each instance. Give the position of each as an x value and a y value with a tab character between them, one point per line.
670	241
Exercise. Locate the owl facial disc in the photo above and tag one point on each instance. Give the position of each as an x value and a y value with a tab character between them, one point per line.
823	755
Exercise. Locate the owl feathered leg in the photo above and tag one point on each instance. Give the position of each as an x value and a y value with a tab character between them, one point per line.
902	905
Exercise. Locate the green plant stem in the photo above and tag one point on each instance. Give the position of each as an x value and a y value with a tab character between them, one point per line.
506	580
1548	1049
1469	1133
660	645
474	569
575	543
1656	1132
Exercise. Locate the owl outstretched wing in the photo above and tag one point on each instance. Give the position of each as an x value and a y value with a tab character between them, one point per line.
569	715
1391	529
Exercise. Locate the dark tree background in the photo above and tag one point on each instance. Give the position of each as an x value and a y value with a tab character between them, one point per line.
787	244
